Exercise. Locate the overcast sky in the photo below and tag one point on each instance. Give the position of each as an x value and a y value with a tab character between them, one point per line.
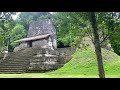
15	16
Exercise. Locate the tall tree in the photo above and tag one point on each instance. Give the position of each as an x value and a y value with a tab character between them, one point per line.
5	17
77	28
8	27
97	45
17	32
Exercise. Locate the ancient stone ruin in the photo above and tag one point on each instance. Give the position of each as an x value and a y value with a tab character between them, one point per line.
41	34
38	52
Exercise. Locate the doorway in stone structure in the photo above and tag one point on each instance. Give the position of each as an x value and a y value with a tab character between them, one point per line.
29	44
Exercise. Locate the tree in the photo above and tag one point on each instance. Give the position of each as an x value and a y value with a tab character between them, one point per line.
108	31
2	37
17	33
8	27
5	17
113	26
97	45
109	25
69	28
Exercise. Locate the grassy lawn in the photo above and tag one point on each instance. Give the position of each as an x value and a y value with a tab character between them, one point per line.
40	75
82	65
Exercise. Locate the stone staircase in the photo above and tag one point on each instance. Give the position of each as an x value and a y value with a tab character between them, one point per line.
32	60
16	62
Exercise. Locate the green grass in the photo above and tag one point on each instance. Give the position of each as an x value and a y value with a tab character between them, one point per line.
82	65
43	75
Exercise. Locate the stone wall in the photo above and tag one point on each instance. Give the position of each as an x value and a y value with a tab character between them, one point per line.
41	28
40	43
46	59
66	51
20	47
44	63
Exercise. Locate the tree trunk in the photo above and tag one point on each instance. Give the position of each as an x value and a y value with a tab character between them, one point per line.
97	45
8	46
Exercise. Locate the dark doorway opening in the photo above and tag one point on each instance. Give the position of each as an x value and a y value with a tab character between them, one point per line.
29	44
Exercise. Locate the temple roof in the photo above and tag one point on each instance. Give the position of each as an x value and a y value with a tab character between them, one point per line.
33	38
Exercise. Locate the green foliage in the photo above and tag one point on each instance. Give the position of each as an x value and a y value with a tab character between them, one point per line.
115	40
69	27
17	33
5	17
2	37
112	23
25	18
108	27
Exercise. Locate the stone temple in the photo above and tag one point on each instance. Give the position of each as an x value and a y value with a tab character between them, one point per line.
41	34
37	52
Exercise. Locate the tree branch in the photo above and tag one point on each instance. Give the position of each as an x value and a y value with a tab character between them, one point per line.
105	38
90	36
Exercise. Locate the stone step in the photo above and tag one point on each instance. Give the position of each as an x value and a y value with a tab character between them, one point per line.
43	59
11	68
8	64
11	71
15	63
20	57
15	60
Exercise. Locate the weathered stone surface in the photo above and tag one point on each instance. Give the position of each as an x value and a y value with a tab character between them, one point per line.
41	28
40	43
44	60
66	51
20	47
48	51
50	59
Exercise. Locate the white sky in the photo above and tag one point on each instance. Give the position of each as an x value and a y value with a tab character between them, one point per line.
15	16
